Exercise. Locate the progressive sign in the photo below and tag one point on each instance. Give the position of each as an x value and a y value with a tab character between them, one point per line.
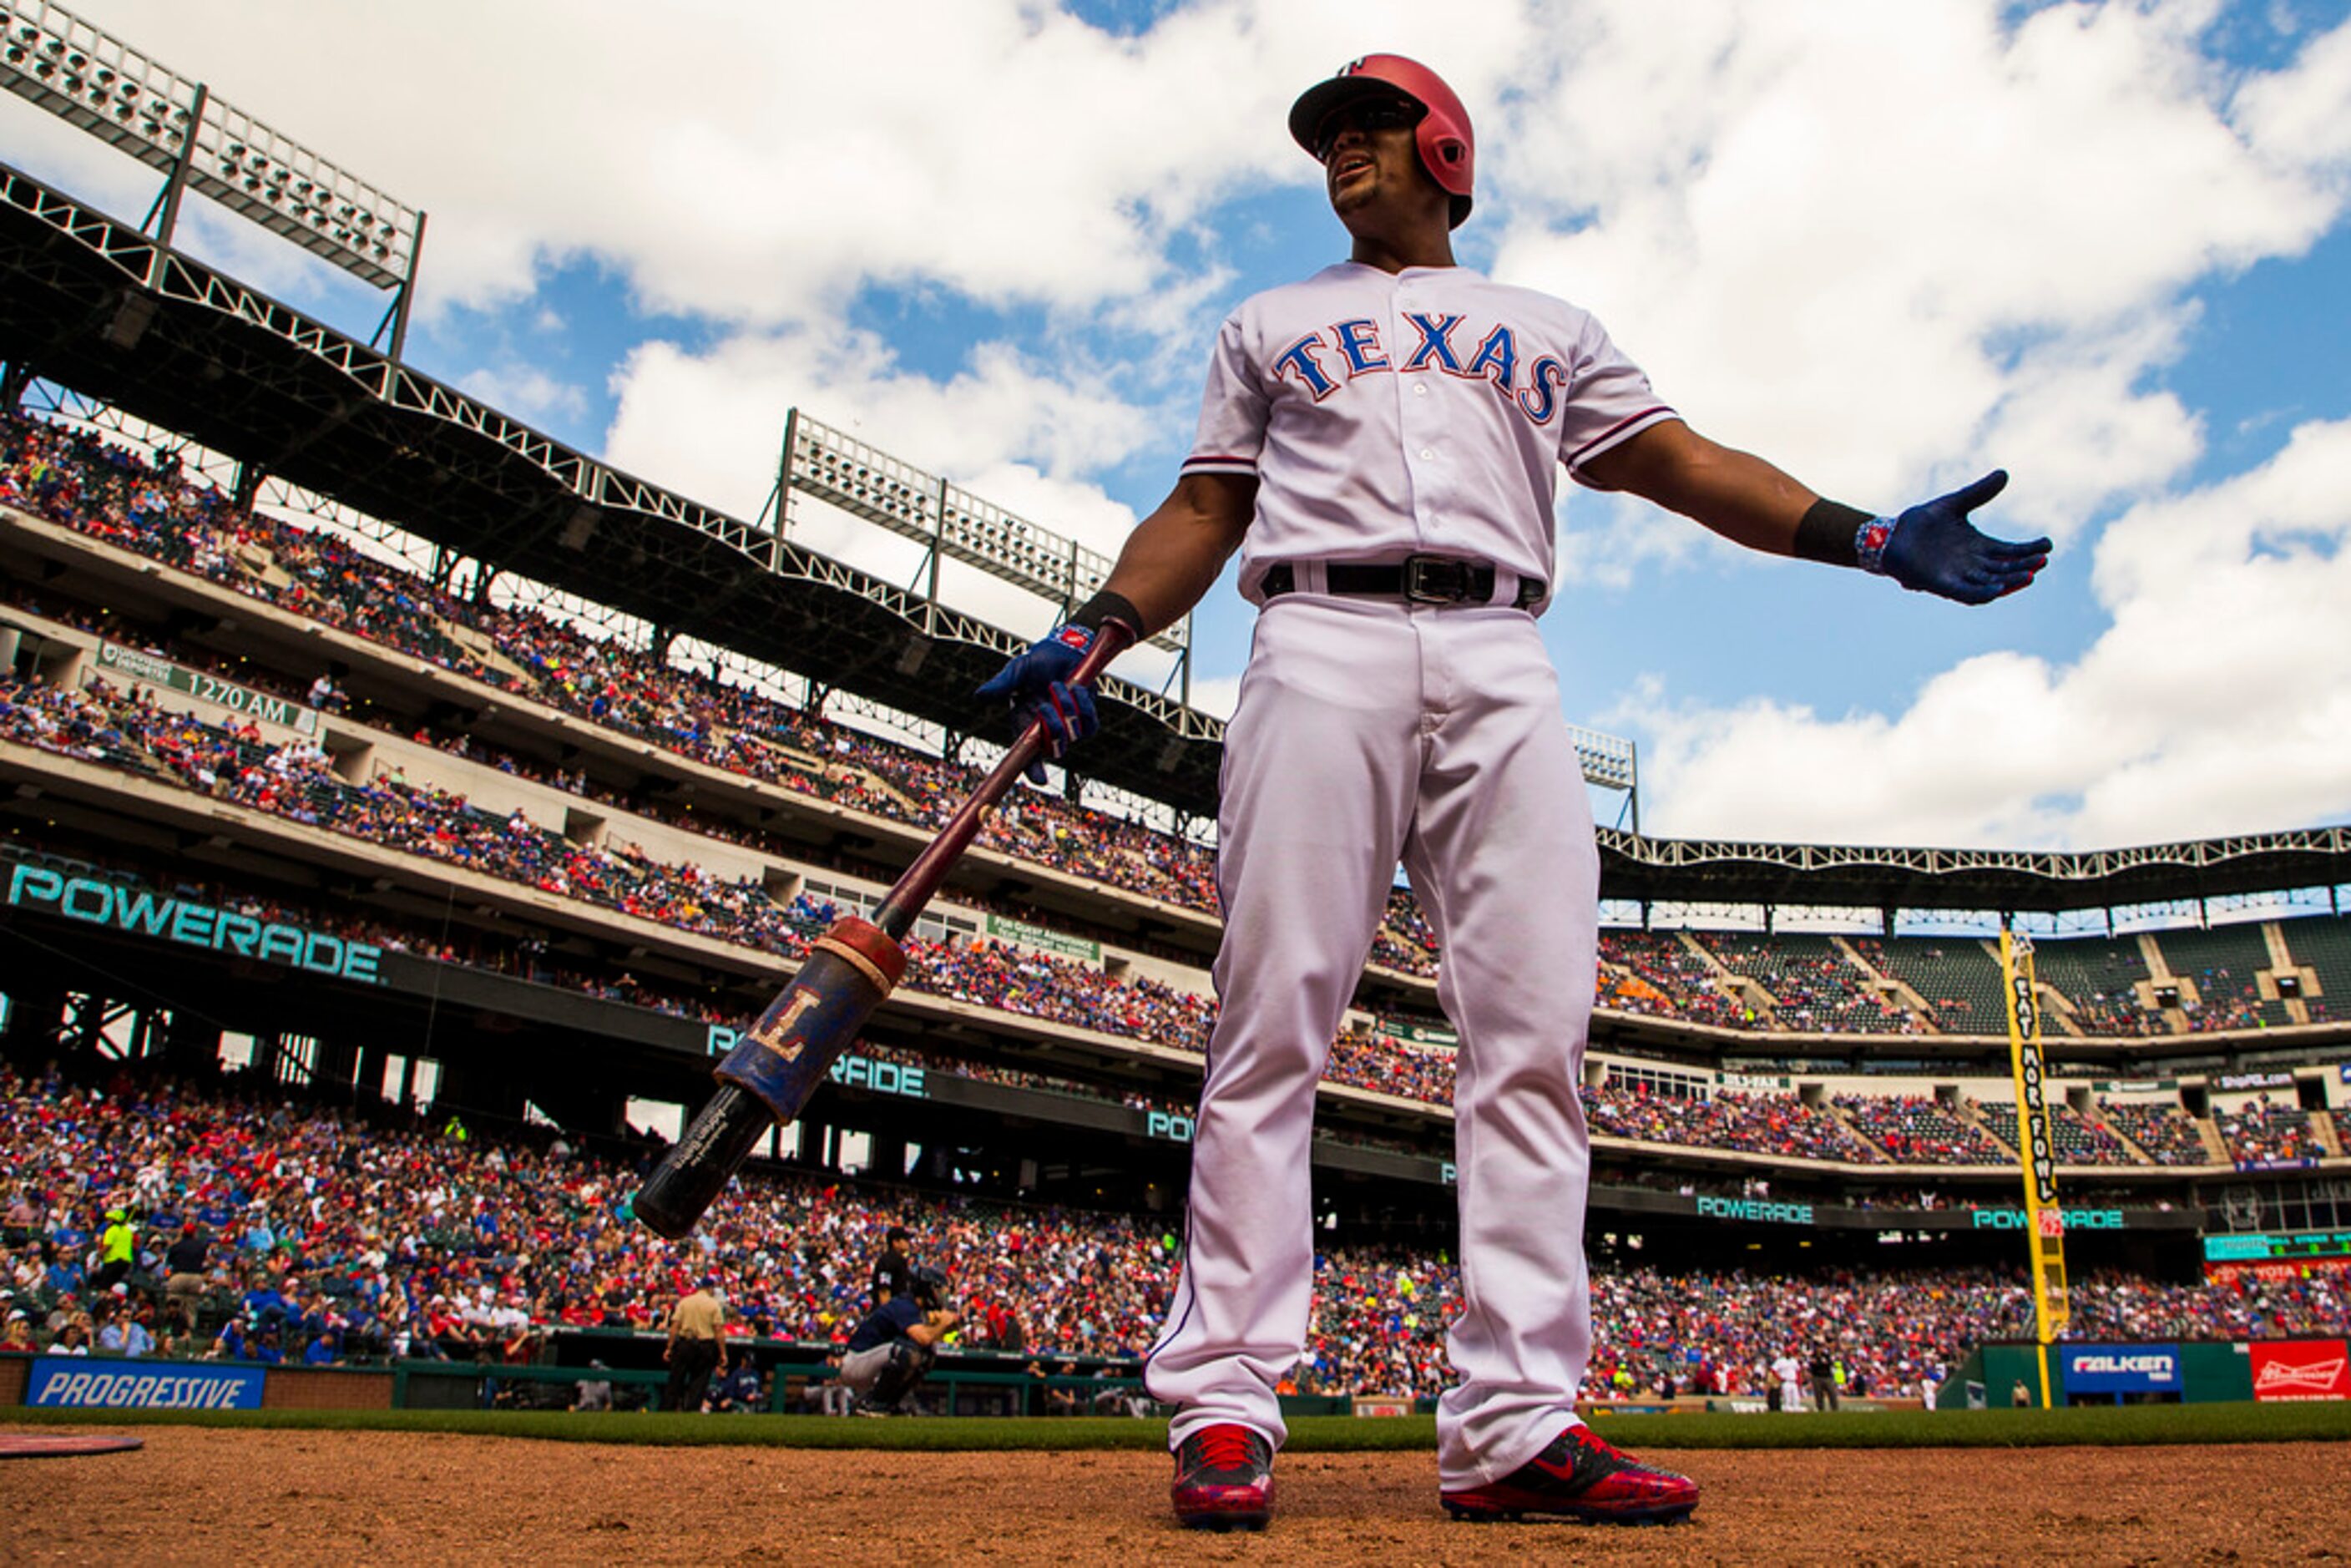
63	1382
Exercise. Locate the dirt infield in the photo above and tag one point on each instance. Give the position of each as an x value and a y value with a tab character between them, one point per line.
284	1497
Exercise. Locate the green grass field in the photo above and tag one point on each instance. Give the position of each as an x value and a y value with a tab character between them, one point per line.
1327	1434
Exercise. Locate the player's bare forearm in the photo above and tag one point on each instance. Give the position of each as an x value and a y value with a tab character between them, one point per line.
1736	494
1173	557
1931	547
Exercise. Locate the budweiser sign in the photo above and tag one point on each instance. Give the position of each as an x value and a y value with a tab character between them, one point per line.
2301	1369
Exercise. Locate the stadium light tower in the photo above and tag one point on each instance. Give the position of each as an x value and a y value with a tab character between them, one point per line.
90	78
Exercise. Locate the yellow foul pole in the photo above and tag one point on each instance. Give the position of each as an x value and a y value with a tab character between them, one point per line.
2036	1152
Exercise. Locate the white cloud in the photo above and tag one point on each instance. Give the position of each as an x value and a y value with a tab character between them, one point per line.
710	423
524	390
2217	702
758	163
1018	433
1889	247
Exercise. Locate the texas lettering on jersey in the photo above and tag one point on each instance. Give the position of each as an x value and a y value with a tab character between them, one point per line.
1323	362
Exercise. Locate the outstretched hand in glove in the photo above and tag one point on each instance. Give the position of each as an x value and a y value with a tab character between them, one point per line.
1932	548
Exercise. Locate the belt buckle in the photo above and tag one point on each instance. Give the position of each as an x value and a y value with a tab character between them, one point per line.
1435	580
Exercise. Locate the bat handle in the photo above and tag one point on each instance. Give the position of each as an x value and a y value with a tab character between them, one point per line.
699	1164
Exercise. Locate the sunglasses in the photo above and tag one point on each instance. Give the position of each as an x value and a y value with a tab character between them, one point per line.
1372	115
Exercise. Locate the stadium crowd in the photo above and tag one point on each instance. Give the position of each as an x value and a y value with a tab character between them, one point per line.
155	1217
146	503
295	781
2259	1132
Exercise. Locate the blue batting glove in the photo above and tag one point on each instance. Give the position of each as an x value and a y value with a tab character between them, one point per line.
1934	548
1036	686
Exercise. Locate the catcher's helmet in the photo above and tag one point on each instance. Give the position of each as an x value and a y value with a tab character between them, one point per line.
930	1289
1447	149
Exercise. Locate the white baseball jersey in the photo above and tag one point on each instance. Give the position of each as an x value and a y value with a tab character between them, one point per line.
1386	415
1424	412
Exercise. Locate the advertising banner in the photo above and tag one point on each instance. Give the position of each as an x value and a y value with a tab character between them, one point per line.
2122	1369
1022	934
61	1381
2260	1247
140	911
2280	1274
129	664
2301	1369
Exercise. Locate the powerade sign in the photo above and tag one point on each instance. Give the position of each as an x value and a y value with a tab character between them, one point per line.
2069	1219
1169	1125
1755	1210
141	912
849	1071
2122	1369
70	1382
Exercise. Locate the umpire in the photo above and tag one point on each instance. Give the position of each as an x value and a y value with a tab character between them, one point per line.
897	1343
693	1349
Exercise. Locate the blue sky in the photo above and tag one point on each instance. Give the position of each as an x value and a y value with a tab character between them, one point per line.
1887	246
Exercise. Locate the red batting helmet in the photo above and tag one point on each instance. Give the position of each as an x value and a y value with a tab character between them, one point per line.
1447	150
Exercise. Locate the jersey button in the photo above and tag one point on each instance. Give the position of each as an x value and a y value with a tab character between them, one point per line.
1428	452
1420	388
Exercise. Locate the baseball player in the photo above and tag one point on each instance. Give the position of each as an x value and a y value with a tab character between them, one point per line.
1381	443
895	1344
1788	1369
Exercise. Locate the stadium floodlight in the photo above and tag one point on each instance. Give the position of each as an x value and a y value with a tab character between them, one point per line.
946	519
87	77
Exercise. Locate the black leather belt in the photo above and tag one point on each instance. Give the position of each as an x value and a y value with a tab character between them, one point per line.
1416	579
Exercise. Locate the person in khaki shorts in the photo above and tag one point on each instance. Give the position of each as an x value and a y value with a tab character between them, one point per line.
184	1263
693	1349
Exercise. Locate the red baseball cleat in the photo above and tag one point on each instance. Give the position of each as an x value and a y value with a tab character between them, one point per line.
1578	1476
1224	1479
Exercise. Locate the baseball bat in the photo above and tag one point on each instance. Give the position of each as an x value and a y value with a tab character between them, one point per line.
768	1076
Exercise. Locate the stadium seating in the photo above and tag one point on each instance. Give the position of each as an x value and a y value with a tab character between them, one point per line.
1656	973
2259	1132
146	503
1763	1124
2222	963
2324	943
2097	975
2079	1141
1816	988
2163	1131
337	1238
1958	980
1917	1130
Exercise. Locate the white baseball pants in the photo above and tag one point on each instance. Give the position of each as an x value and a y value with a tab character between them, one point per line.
1368	732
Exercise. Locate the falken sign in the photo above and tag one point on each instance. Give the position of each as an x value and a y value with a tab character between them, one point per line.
2122	1369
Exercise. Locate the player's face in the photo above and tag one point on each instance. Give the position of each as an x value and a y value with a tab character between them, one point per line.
1367	150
